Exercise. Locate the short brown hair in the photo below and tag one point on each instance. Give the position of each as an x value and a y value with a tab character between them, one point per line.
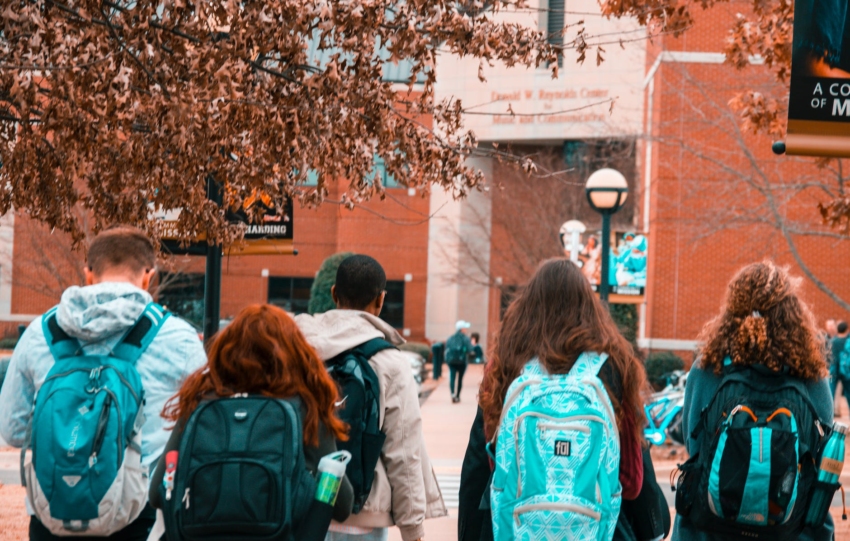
121	247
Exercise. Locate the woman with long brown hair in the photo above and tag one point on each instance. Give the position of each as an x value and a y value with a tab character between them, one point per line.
262	352
760	370
557	322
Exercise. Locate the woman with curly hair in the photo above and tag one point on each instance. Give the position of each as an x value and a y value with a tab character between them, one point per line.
764	339
555	323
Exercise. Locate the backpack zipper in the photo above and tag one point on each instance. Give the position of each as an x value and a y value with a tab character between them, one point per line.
100	434
563	507
186	497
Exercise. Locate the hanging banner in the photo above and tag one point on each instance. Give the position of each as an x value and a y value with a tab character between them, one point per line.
272	236
626	266
819	105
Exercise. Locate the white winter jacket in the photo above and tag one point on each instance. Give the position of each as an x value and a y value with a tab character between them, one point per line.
405	491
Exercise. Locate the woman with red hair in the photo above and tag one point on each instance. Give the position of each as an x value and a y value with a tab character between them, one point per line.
262	352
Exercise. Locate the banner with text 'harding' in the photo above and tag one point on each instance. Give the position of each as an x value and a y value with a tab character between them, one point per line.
819	106
273	235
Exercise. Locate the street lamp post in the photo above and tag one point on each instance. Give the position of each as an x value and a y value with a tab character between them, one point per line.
606	192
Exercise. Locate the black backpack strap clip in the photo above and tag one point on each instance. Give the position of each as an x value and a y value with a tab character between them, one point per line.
62	345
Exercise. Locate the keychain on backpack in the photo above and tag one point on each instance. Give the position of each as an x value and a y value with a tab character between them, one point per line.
170	469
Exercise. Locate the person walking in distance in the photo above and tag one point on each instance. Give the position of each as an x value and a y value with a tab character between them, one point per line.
476	356
758	409
395	484
102	363
458	348
840	362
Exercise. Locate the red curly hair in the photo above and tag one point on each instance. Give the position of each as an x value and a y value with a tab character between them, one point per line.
764	321
263	352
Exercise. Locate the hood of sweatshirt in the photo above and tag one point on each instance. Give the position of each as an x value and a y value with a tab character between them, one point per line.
336	331
100	311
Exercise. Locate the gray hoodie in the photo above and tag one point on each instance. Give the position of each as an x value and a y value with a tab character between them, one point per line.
405	491
98	316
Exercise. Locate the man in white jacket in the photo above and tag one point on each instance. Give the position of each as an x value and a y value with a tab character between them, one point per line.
405	490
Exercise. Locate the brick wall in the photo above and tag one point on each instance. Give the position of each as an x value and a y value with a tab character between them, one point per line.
717	193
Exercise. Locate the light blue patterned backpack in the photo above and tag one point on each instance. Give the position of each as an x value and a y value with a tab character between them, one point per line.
557	457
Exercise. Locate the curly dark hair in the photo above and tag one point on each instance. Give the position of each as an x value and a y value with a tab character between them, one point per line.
764	321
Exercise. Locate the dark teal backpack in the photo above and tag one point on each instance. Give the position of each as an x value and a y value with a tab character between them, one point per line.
240	472
82	464
755	470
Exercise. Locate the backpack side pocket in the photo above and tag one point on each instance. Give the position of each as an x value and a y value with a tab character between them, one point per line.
687	485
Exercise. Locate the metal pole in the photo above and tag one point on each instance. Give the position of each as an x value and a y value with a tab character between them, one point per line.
606	250
212	279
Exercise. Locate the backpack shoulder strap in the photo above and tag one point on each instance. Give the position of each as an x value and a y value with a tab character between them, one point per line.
140	335
62	345
588	365
373	347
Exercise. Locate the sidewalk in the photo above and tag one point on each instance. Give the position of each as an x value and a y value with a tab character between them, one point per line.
446	428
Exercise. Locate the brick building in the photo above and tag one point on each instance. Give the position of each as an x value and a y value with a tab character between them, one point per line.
718	198
393	231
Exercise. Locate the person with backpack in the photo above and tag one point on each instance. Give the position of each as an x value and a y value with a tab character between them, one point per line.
757	413
102	365
458	348
840	361
562	409
476	355
392	477
251	428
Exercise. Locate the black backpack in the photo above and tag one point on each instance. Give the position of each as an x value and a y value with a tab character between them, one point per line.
359	393
457	350
755	470
240	473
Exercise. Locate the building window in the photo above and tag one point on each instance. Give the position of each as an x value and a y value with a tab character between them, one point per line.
183	295
290	293
393	312
555	27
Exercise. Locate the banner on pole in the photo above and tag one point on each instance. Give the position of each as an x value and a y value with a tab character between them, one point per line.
626	266
819	104
272	236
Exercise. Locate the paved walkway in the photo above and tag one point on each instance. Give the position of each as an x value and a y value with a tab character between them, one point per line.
446	428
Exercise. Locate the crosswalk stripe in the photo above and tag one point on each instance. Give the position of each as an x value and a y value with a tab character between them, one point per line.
449	486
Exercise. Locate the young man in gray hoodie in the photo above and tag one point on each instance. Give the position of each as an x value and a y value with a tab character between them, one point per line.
405	490
120	264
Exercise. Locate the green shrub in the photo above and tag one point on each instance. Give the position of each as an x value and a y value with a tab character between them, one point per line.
626	318
320	294
8	343
660	363
424	350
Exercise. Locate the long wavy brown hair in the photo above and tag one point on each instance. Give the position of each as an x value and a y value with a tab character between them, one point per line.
556	317
764	321
263	352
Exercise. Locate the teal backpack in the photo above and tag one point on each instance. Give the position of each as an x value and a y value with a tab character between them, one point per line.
82	464
557	457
